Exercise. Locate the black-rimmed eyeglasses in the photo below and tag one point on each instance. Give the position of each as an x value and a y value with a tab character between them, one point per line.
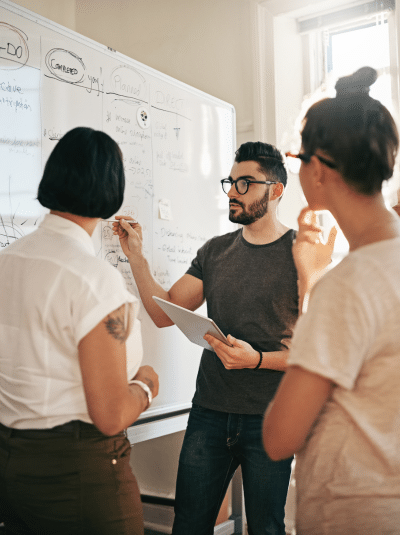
241	184
306	158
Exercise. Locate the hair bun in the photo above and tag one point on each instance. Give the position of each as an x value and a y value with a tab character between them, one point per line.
357	83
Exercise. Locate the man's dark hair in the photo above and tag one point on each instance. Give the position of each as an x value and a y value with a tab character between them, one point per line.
267	156
84	175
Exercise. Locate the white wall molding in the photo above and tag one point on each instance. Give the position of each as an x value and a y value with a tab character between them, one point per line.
299	8
242	127
263	74
161	517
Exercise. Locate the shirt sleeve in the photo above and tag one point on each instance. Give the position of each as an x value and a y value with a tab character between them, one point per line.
333	337
196	267
99	295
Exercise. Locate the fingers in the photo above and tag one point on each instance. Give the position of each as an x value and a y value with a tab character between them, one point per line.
287	342
212	340
231	339
302	214
311	236
307	217
332	237
119	218
148	375
117	228
126	227
127	217
240	355
218	346
116	225
308	225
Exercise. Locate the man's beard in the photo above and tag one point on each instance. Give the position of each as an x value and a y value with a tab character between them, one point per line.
254	212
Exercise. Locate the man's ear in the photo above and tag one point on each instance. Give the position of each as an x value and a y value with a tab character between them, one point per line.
277	190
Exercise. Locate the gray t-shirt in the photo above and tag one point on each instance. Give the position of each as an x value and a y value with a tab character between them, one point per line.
251	293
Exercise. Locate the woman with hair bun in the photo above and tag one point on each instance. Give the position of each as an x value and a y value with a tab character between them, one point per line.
338	406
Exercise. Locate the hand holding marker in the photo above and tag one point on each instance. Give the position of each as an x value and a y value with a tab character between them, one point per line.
130	237
131	222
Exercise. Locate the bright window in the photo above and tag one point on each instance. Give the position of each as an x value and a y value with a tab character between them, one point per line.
345	49
364	44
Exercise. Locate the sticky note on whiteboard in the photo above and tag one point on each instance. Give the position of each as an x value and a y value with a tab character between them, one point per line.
164	209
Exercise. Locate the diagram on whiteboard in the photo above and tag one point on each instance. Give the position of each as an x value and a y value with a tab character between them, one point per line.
12	228
9	232
112	252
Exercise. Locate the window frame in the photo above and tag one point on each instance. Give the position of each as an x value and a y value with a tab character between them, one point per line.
316	62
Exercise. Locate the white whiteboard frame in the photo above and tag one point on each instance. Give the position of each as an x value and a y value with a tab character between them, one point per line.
162	420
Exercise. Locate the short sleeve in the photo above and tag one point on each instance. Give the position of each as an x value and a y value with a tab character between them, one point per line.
99	295
196	267
333	337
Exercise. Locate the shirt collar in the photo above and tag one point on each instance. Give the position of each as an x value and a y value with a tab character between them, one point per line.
64	226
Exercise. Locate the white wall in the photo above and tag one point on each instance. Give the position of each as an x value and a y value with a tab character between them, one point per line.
60	11
288	100
206	44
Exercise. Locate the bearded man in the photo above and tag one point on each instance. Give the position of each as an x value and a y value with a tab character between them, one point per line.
249	281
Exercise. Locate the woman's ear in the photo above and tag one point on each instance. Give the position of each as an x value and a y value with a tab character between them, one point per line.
317	171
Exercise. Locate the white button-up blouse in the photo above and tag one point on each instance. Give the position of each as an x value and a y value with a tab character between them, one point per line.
53	292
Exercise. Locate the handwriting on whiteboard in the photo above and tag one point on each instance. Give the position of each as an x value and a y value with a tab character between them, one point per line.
14	51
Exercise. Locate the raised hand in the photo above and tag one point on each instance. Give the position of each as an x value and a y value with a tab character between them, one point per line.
310	252
130	235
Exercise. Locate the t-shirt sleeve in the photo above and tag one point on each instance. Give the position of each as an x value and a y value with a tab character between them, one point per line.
99	296
196	267
333	337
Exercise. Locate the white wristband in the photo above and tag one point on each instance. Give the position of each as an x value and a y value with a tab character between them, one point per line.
145	387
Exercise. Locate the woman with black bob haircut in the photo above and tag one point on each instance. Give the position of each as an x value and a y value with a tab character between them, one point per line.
338	406
84	175
70	354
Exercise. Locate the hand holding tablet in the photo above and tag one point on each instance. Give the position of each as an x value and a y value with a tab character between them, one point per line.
193	325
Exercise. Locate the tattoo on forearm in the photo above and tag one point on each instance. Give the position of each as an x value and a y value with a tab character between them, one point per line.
115	324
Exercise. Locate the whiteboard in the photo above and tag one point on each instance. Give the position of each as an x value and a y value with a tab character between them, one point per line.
177	143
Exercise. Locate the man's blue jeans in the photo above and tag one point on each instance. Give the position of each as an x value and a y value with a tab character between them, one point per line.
215	444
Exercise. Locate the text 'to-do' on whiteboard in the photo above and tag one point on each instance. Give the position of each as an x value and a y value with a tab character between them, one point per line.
177	143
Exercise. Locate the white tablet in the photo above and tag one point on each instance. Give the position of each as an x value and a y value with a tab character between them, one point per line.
193	325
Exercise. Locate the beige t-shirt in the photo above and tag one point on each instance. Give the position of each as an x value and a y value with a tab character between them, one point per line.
53	292
348	473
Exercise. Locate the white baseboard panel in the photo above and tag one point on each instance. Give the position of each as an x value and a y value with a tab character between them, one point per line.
226	528
158	517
